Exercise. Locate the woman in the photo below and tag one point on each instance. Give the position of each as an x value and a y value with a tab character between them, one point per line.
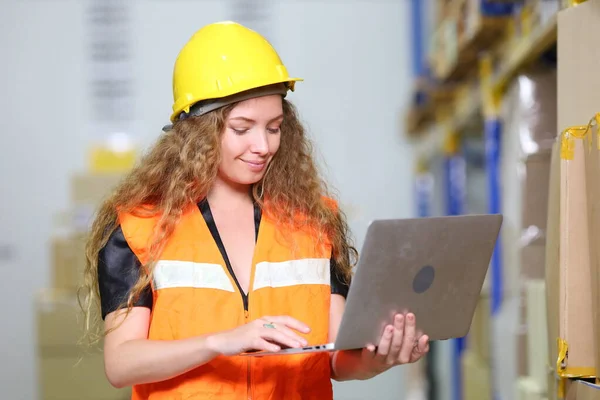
224	240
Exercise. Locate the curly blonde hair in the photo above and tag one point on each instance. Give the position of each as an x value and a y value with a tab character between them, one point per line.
180	169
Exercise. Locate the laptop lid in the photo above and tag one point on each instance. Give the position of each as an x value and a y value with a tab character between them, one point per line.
433	267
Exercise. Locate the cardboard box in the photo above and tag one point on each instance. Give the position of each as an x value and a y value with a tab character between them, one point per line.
592	166
76	378
88	192
92	189
59	322
475	377
66	370
68	260
552	257
578	58
530	111
478	340
568	269
575	310
581	390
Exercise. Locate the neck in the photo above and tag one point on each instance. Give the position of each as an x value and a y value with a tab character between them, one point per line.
228	194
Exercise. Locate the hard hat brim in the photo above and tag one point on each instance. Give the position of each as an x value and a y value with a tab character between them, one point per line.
205	106
185	108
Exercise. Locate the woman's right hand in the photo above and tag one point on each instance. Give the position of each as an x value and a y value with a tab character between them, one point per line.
258	335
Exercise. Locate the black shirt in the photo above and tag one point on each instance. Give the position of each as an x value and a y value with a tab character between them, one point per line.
118	267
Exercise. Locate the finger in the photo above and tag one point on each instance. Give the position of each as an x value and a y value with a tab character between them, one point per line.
386	341
279	337
262	344
423	345
408	342
420	349
397	336
289	322
292	334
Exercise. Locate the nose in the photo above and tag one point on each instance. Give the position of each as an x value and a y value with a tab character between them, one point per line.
260	143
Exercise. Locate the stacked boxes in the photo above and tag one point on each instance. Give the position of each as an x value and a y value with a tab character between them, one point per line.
583	391
67	370
572	264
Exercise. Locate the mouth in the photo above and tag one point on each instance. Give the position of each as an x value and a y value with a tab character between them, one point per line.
256	164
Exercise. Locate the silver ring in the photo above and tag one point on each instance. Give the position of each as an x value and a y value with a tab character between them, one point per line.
270	325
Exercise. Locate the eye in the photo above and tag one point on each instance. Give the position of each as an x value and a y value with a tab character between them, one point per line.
239	131
273	130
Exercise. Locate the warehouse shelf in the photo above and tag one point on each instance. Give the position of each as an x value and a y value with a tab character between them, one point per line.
525	51
464	110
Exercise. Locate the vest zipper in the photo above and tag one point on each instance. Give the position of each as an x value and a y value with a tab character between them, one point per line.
249	369
212	227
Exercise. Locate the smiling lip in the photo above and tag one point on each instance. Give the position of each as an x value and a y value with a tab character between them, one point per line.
256	165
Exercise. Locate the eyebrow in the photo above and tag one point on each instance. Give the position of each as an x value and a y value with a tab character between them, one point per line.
251	120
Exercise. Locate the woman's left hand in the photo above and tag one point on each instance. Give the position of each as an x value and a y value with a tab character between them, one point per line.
400	344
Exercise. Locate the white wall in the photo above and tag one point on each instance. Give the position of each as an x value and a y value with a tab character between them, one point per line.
354	56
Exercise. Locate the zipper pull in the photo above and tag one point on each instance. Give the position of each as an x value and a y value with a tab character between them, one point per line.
246	315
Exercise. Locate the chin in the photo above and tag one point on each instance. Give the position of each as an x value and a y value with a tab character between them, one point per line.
246	179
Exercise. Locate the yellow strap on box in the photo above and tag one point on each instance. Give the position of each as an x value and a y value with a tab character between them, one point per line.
564	371
597	118
568	136
561	388
561	362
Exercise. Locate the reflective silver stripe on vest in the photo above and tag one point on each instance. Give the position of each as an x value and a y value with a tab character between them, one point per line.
308	271
187	274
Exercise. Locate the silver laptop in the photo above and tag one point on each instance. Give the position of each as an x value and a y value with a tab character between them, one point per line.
433	267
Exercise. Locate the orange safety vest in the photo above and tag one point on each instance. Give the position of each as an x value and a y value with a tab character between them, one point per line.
195	294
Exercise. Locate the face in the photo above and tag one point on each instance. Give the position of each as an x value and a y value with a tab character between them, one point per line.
251	139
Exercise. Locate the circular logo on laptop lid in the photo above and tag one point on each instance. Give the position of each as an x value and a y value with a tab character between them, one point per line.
423	279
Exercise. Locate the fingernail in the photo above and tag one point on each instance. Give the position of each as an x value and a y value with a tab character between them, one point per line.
411	317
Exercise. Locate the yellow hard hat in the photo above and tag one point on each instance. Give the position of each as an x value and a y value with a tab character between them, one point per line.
223	59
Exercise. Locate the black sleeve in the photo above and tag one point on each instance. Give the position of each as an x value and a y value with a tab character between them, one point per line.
338	286
118	271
